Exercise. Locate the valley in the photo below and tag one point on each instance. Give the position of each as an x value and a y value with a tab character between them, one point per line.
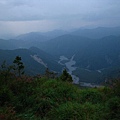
59	59
89	55
70	66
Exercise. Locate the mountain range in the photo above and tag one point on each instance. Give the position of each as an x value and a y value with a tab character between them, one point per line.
97	33
96	52
35	60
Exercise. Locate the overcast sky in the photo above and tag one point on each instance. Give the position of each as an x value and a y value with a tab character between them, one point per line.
21	16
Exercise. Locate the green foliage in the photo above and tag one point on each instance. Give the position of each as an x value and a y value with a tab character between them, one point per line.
113	107
115	85
66	76
6	96
19	67
8	113
66	111
59	91
45	105
106	93
91	95
50	74
5	73
42	98
76	111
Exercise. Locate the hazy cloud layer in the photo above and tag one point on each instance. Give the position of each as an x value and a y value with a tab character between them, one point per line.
42	15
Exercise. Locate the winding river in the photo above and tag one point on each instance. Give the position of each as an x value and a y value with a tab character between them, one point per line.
70	65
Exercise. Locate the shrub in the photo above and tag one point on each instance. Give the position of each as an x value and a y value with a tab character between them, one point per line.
113	107
106	93
90	95
66	76
44	106
116	87
66	111
53	93
24	93
59	91
8	113
76	111
6	96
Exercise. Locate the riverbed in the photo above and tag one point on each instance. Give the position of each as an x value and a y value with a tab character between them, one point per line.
70	65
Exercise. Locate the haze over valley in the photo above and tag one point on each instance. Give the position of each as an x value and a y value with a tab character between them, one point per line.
89	55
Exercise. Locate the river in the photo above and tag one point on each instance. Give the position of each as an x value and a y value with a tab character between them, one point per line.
70	65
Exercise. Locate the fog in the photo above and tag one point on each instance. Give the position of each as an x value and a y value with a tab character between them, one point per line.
23	16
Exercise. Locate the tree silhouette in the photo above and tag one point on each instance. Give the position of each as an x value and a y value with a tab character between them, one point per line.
18	66
66	76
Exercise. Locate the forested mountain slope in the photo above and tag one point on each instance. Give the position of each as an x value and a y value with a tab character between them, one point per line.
35	61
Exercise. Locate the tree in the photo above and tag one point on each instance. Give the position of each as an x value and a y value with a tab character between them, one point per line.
6	71
66	76
50	74
47	73
18	66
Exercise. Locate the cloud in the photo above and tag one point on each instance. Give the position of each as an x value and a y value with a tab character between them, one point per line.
23	10
22	26
33	15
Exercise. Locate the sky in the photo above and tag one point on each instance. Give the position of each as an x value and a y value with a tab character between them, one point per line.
23	16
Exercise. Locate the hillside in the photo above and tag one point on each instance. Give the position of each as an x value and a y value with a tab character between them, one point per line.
96	56
35	60
33	36
102	53
66	45
97	33
40	36
90	54
25	98
7	44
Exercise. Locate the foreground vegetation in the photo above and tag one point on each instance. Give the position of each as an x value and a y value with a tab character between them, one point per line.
42	98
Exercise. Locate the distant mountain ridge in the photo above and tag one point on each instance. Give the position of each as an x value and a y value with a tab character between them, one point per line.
97	33
94	33
40	36
36	38
96	52
33	36
65	45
